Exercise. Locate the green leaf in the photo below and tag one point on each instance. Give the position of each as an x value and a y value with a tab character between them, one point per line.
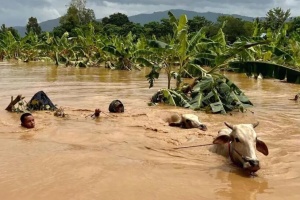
172	17
196	102
169	98
217	107
180	99
183	44
154	74
182	24
204	85
112	50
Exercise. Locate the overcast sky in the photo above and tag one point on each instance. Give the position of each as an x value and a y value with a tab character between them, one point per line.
17	12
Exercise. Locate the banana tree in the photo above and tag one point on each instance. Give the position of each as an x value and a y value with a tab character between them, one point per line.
59	49
210	90
10	47
276	49
209	52
122	52
294	46
30	47
179	52
89	46
277	57
162	54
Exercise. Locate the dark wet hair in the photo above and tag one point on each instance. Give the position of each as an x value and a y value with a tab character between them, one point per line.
24	115
116	106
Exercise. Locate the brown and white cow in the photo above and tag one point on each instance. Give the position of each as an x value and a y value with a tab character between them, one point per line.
186	121
240	142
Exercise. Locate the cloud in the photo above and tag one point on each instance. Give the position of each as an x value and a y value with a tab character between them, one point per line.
17	12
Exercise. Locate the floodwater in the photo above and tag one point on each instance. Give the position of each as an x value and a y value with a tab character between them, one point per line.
129	155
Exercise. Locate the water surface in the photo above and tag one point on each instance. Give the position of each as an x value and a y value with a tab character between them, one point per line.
126	156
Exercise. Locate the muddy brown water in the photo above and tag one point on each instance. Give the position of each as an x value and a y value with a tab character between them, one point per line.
127	156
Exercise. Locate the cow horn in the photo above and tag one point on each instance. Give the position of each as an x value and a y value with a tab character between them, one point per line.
228	125
255	124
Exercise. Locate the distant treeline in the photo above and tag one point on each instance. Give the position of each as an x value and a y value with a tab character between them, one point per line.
78	16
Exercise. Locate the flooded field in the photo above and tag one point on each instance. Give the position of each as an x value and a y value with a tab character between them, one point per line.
129	155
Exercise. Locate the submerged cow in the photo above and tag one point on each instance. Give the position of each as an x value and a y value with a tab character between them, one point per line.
186	121
240	142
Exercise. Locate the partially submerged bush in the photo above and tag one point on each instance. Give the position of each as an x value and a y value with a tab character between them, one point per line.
40	101
217	95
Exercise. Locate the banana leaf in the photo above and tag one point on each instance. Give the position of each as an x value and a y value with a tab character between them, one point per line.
238	94
292	76
218	105
154	74
237	48
194	40
196	102
171	97
174	98
225	92
218	94
208	98
279	72
205	84
168	97
112	50
268	70
193	70
181	99
204	59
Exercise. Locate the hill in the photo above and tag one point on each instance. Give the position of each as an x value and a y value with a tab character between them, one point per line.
49	25
144	18
157	16
46	26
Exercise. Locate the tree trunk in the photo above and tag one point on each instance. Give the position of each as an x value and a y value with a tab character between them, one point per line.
168	70
13	102
169	80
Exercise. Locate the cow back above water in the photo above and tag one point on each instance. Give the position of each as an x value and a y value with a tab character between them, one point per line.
186	121
240	142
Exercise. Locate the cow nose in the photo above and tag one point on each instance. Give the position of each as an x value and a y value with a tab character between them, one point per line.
254	163
202	127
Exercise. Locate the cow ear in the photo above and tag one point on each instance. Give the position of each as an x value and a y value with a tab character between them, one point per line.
222	139
262	147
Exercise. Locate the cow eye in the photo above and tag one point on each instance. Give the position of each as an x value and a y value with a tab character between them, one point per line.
237	140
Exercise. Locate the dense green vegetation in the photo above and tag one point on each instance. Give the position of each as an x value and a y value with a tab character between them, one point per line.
180	47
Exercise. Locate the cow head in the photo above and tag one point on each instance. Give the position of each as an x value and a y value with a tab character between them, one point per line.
192	121
242	142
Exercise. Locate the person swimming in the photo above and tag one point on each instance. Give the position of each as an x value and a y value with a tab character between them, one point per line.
27	120
116	106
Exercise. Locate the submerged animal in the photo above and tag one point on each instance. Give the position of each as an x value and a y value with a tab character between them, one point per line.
240	142
186	121
59	112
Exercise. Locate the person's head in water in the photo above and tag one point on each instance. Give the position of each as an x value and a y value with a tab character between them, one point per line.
116	106
27	120
119	108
